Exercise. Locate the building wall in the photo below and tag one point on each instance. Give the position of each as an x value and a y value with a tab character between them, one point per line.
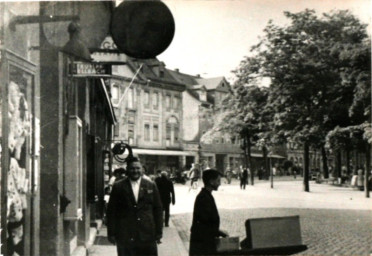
191	126
21	79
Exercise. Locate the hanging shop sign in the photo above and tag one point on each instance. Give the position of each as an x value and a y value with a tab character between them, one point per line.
85	68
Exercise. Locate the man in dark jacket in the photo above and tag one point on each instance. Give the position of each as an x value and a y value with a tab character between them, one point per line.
206	221
134	214
166	191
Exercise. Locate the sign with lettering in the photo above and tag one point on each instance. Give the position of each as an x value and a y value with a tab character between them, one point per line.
84	68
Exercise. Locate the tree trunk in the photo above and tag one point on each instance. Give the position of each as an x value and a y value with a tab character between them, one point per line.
325	163
348	169
306	167
250	160
266	162
367	169
246	153
338	164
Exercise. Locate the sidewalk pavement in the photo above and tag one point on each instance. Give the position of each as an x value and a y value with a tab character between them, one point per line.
171	245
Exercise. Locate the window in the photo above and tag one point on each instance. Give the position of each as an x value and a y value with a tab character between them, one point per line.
167	102
147	99
116	130
115	93
147	132
130	98
156	132
168	132
131	134
203	95
176	133
175	102
172	131
155	100
131	118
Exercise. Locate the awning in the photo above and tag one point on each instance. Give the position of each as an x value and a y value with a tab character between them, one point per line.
270	155
143	151
275	156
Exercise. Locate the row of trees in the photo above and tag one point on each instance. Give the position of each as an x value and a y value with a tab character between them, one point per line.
320	90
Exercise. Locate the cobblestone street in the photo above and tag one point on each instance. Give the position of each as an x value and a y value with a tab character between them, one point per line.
334	220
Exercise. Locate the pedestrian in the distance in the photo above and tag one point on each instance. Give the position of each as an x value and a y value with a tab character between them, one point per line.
228	175
117	175
167	195
354	179
243	178
194	177
360	179
206	220
134	214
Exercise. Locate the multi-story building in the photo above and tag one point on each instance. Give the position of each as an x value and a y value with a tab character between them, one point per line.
164	113
201	100
148	103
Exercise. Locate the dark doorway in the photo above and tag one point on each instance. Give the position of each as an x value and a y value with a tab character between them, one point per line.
189	161
220	162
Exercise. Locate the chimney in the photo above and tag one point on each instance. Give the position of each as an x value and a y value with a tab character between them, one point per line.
177	70
161	69
198	75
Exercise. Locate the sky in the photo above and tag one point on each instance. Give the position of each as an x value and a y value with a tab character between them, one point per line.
213	36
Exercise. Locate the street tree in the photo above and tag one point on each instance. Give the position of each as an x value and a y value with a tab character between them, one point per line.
304	62
241	114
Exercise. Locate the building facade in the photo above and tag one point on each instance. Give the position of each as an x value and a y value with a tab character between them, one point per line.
56	127
148	103
202	98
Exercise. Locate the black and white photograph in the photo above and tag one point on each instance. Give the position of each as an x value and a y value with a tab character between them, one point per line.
185	127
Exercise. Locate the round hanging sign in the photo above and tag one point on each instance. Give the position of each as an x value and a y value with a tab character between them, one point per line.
142	29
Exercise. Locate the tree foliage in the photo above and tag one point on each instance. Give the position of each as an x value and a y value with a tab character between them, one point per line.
319	68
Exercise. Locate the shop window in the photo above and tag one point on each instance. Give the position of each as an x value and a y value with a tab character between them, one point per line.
147	132
156	132
22	143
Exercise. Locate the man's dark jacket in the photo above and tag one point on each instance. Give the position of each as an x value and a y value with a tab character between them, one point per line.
166	190
205	225
132	223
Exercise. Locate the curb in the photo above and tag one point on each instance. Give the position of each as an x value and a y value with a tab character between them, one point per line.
172	243
93	231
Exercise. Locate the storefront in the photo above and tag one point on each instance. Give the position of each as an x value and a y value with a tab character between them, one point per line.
152	160
20	155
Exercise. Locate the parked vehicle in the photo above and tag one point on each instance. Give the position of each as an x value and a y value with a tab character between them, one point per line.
179	177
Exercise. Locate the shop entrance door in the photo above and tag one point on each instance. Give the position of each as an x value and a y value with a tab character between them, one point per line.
220	163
